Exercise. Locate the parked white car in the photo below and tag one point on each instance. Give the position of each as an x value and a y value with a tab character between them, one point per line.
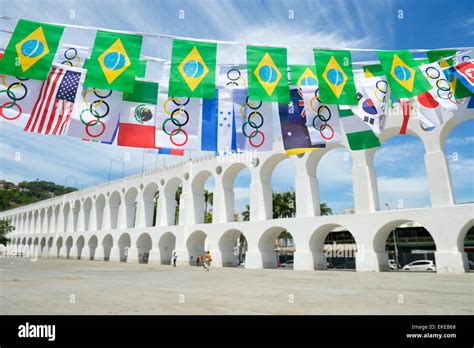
393	265
420	265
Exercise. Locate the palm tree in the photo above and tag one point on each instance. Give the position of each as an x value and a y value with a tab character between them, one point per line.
246	213
177	198
5	228
325	210
208	200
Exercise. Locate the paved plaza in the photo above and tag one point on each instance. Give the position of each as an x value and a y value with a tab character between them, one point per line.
62	286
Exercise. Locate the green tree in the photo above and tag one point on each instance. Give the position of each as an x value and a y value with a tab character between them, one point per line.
325	210
208	201
246	213
179	191
5	228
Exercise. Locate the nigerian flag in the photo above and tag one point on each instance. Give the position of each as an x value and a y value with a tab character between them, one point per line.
268	74
403	75
303	75
335	77
114	62
445	58
193	69
359	135
373	70
31	50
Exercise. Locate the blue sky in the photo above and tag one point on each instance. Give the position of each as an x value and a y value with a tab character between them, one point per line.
364	24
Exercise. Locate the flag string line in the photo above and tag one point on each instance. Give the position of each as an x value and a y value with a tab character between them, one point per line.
236	43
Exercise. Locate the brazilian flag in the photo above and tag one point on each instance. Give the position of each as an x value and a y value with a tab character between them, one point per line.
268	74
335	77
373	70
31	50
403	75
460	91
193	69
114	62
303	75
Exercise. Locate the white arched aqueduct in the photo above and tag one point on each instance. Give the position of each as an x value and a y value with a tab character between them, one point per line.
134	216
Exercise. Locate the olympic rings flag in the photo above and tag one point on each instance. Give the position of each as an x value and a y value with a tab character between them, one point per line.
322	120
253	122
96	115
231	76
179	121
138	115
72	55
17	99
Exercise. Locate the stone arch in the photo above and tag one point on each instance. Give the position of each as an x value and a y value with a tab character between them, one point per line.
50	244
320	253
229	179
389	186
42	245
107	244
381	238
144	245
30	222
42	218
150	196
57	211
195	245
171	202
80	242
59	245
114	206
130	199
197	188
87	207
124	243
166	244
35	221
67	216
266	246
229	241
462	234
448	127
92	244
49	220
99	211
283	185
68	245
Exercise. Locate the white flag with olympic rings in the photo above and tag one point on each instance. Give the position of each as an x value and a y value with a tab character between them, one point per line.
72	55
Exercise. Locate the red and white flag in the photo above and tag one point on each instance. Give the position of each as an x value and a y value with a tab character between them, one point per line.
55	104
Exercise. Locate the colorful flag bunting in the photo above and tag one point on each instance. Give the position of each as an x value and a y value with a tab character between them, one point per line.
428	111
253	122
303	75
193	69
359	135
138	115
322	120
17	99
366	110
294	132
172	152
403	75
231	76
96	115
335	77
72	55
55	104
31	50
465	74
114	62
267	73
226	132
441	88
465	109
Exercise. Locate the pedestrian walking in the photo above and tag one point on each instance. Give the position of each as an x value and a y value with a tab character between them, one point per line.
198	260
207	260
174	257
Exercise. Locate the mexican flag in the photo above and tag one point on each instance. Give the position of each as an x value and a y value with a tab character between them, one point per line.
31	50
193	69
359	135
137	116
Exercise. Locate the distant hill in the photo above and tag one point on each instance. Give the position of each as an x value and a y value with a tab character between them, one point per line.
13	196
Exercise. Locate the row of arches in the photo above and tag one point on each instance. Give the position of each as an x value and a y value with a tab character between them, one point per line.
159	249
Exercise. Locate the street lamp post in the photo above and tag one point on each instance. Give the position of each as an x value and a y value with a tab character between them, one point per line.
394	241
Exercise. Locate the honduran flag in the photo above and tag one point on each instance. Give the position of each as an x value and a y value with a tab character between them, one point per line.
137	116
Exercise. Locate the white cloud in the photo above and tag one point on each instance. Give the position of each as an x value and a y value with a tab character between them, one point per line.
459	141
411	192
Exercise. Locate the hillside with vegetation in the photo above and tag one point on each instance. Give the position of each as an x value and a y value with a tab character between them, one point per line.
26	192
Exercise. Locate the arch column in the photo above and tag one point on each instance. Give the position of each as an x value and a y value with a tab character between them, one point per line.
81	217
70	220
366	197
52	221
93	217
306	190
44	223
165	211
223	202
260	197
132	254
99	253
107	216
140	219
114	254
437	172
155	256
122	212
187	204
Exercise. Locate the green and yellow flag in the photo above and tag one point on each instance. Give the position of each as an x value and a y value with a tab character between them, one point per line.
31	50
193	69
303	75
403	75
373	70
335	77
268	74
114	62
460	91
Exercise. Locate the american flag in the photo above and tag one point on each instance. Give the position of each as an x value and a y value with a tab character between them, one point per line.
55	103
